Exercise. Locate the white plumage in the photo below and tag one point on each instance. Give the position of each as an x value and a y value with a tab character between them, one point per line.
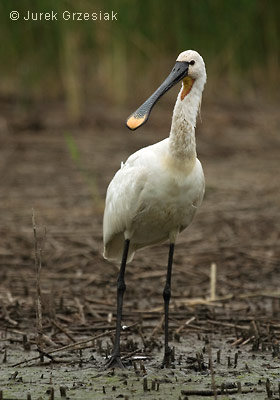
156	193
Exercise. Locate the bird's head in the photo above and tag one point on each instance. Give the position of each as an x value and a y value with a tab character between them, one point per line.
189	68
196	71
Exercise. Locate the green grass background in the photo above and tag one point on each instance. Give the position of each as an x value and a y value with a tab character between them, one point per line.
82	60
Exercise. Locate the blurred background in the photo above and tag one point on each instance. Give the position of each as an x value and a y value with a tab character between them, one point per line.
82	62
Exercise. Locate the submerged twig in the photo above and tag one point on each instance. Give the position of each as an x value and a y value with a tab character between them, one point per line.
74	346
207	392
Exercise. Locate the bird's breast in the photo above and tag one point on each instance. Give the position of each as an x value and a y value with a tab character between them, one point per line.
168	201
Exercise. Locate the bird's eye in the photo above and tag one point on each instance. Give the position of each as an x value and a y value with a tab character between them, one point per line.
192	62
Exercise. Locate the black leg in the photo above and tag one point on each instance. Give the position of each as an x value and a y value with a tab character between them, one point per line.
115	359
166	297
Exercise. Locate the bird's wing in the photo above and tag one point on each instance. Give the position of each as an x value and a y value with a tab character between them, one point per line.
124	200
200	183
123	194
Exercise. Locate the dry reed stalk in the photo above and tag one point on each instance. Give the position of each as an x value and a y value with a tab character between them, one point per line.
213	281
178	330
158	327
38	265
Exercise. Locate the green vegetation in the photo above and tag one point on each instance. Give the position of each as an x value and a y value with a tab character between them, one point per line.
81	60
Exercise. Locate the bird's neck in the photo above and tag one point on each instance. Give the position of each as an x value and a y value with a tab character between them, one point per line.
182	145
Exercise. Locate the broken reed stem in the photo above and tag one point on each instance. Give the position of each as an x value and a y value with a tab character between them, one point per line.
62	329
38	266
213	281
213	383
62	390
268	389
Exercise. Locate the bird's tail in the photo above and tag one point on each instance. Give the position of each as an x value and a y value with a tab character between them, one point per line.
113	250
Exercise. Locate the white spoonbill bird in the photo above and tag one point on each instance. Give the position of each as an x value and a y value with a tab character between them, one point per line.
157	191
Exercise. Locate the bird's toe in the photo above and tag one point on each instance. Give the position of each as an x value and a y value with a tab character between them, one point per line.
114	362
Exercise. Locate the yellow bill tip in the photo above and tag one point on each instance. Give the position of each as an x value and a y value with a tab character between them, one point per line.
134	122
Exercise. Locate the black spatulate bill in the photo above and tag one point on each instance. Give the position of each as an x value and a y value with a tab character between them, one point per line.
141	115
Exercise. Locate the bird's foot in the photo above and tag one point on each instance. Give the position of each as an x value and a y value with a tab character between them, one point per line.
114	362
168	358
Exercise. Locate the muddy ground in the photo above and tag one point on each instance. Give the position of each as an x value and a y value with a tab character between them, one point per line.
62	171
